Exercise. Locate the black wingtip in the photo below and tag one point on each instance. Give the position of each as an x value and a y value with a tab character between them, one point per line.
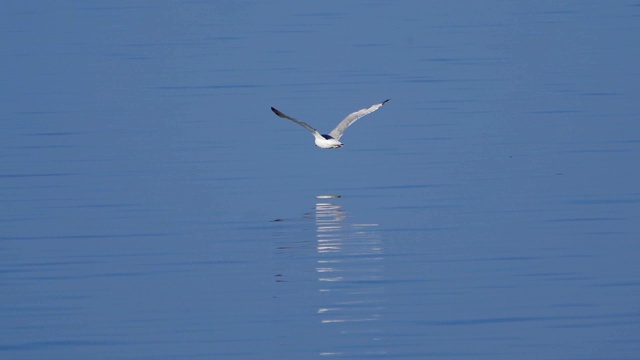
382	103
275	111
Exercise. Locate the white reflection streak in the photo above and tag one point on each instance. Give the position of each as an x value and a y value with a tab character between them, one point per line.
349	268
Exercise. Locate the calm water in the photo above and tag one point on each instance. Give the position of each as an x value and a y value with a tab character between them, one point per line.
152	206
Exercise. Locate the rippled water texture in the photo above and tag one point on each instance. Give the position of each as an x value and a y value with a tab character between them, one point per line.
153	207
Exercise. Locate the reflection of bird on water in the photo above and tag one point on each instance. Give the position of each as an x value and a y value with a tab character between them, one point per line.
348	264
350	269
332	140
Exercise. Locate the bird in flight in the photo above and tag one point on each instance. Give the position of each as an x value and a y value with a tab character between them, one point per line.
332	140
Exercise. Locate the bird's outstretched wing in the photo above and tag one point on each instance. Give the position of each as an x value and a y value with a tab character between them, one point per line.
351	118
303	124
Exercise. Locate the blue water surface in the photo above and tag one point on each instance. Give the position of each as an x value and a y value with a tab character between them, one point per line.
153	207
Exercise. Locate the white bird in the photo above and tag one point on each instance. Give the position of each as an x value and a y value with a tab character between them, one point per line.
331	141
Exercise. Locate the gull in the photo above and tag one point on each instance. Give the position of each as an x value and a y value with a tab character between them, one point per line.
332	140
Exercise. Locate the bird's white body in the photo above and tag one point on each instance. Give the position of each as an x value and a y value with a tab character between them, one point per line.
332	140
327	142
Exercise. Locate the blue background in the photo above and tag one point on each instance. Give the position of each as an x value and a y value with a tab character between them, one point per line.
152	206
